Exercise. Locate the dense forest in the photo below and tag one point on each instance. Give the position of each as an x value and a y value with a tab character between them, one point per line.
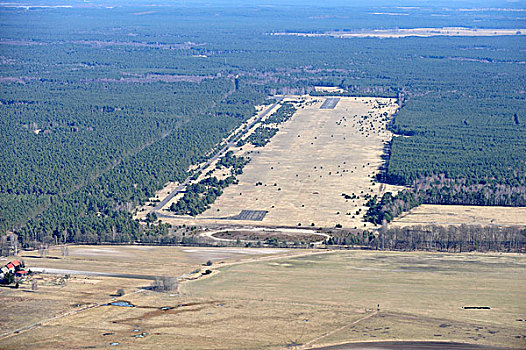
100	107
269	126
452	238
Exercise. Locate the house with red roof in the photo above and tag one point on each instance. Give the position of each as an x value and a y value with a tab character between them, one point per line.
12	269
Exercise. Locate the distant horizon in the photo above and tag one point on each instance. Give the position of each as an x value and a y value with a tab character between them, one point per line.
516	4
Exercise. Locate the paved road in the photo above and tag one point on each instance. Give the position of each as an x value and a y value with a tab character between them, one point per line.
217	156
330	103
91	273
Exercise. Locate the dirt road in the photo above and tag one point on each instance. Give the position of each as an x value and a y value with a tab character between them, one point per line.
210	234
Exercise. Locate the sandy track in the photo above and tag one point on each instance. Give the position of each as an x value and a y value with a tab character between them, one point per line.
221	153
325	335
210	234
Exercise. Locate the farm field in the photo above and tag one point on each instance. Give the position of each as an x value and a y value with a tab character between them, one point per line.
421	296
57	295
300	177
430	214
320	298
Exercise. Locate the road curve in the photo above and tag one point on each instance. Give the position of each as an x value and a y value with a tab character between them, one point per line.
210	234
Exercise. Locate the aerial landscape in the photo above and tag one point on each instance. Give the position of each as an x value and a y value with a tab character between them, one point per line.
222	174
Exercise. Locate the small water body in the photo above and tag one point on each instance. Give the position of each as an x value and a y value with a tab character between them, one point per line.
121	303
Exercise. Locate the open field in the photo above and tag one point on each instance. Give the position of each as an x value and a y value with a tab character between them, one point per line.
421	32
428	214
421	296
317	299
317	156
57	296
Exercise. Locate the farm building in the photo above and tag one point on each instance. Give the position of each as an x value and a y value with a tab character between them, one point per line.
12	269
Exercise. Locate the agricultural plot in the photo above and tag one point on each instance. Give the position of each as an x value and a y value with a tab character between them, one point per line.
428	214
60	291
313	300
317	170
420	295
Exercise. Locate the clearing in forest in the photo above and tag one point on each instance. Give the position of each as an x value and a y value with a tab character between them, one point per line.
318	169
407	32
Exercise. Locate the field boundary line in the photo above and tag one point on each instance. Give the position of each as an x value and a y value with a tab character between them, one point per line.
308	345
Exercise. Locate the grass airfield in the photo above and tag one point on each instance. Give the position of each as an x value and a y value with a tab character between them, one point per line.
294	299
317	155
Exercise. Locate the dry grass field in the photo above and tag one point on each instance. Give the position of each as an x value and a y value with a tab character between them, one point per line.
428	214
318	298
318	155
56	296
421	32
421	296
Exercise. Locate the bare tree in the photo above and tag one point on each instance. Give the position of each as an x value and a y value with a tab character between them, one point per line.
4	246
164	284
65	250
13	243
43	250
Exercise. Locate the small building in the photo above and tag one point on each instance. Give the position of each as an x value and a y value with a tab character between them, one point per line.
13	269
21	273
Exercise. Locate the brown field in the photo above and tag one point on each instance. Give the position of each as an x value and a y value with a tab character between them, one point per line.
428	214
57	296
422	32
314	158
271	301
